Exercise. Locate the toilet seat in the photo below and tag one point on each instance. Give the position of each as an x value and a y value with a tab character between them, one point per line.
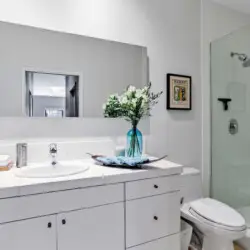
217	214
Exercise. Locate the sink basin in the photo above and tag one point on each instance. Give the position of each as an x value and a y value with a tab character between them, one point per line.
61	169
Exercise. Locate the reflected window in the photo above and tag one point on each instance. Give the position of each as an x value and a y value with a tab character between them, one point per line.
52	95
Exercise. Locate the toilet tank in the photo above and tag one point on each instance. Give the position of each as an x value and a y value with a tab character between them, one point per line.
191	185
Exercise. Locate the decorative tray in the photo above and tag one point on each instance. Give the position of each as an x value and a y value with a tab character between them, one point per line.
125	162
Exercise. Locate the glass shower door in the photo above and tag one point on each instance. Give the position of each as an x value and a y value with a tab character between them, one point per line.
230	104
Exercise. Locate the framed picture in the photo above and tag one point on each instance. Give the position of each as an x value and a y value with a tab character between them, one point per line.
179	88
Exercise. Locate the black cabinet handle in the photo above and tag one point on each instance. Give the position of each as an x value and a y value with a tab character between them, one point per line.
49	225
156	186
182	200
63	221
155	218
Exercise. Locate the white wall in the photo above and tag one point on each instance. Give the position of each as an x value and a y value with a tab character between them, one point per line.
217	21
171	32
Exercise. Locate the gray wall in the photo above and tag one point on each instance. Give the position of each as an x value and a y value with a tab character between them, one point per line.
173	46
105	67
40	103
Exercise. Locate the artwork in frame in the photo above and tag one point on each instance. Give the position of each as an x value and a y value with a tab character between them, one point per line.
179	92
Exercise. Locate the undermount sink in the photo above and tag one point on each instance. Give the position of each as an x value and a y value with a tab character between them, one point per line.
61	169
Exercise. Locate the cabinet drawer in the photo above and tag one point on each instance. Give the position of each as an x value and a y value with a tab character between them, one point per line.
51	203
167	243
151	218
149	187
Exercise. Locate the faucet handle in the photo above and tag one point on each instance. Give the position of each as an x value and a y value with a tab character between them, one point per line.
53	148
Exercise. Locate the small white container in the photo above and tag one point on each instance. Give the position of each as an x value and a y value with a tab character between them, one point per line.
5	160
186	235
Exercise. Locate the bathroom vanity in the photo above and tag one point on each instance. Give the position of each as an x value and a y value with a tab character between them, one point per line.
61	207
100	209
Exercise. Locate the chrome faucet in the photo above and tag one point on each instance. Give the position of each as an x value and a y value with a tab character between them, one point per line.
21	154
53	153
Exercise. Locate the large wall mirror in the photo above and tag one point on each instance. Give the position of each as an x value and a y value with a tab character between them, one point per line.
52	74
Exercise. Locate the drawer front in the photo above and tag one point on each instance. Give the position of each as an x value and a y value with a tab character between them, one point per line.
151	218
51	203
150	187
167	243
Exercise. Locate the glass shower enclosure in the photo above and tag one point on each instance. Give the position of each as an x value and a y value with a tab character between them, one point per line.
230	104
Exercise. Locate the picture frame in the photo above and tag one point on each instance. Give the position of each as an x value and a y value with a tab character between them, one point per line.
179	92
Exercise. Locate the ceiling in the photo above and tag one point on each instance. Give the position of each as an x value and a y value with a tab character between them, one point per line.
240	5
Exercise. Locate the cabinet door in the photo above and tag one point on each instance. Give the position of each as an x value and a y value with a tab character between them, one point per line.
32	234
98	228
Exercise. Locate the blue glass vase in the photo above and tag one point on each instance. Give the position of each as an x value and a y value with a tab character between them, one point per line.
134	143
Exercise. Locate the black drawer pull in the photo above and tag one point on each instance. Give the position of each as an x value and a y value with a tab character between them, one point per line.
63	221
155	218
156	186
182	200
49	225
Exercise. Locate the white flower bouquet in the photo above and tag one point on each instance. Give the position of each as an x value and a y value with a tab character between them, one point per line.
132	105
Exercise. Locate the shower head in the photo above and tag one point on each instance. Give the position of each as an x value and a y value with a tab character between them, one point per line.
246	63
243	58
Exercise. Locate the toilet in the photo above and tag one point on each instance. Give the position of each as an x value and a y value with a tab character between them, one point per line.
245	242
219	223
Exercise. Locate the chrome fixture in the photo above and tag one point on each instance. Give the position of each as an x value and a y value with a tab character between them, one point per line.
243	58
233	126
53	153
21	154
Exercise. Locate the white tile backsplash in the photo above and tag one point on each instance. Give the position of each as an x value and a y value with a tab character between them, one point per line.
38	151
68	148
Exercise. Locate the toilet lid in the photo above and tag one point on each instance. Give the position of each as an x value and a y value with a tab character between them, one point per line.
218	213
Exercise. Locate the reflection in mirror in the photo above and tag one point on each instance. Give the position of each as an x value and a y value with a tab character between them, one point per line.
46	73
51	95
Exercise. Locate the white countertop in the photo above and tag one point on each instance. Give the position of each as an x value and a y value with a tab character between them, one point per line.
12	186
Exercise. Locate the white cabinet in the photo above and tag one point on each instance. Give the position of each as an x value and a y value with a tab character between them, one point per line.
94	229
151	218
95	218
32	234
